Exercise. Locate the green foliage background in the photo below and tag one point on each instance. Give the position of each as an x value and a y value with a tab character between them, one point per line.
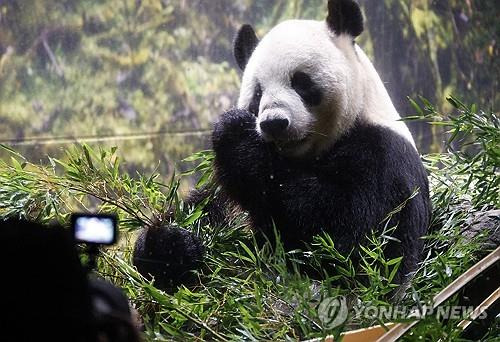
145	74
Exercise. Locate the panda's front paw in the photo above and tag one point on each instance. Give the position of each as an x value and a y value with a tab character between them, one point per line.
233	126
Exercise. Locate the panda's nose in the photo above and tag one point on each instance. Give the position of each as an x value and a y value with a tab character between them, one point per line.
274	127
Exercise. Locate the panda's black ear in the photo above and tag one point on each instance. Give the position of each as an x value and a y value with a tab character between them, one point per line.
344	16
244	44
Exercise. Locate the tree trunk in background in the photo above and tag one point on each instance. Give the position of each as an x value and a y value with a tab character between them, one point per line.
401	63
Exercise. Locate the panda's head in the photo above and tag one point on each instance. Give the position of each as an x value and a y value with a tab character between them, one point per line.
302	80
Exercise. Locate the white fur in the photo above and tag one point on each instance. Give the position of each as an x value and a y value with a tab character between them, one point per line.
351	86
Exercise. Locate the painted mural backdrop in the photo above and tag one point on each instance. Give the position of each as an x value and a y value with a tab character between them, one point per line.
150	76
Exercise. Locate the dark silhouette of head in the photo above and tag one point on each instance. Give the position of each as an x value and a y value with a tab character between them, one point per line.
46	293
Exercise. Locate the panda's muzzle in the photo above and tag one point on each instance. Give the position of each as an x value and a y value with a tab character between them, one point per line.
274	129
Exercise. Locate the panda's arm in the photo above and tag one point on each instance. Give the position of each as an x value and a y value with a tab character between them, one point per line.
243	161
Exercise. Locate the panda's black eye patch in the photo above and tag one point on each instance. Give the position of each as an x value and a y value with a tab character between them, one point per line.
255	103
309	91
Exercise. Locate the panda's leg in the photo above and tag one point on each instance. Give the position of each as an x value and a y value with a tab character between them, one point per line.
411	258
170	253
412	223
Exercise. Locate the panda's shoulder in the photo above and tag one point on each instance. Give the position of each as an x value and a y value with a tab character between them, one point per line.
376	137
367	146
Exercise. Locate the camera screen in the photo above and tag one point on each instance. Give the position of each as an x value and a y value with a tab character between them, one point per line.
95	229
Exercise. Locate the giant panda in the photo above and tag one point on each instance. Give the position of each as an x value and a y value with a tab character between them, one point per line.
314	145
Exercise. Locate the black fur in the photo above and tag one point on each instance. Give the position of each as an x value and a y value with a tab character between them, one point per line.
344	16
246	41
307	89
168	254
347	191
